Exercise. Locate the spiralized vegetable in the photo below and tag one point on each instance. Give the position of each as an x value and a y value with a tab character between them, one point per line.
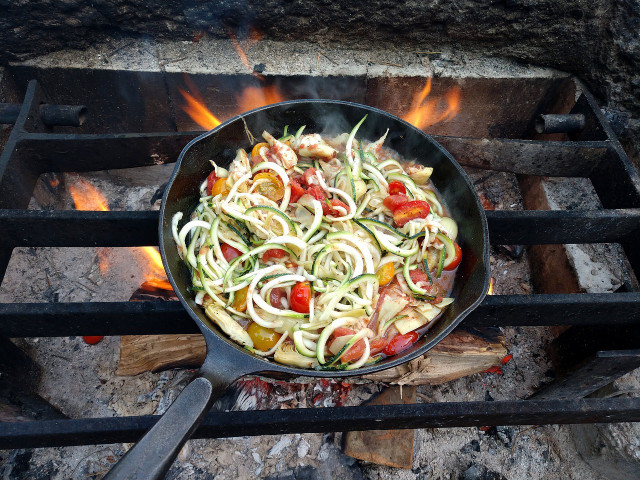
318	210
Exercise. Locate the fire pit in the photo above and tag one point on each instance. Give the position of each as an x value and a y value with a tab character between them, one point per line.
136	120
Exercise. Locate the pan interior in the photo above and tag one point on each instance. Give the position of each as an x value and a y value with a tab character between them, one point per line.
333	117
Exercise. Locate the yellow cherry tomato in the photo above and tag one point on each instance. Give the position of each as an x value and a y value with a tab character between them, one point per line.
270	186
385	273
240	300
256	148
220	187
263	338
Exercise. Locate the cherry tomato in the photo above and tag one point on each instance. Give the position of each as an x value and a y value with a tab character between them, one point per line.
394	201
296	190
273	253
329	208
263	338
276	296
300	297
397	188
220	187
400	342
255	152
410	211
385	274
240	300
270	185
376	345
418	276
456	260
211	179
342	331
318	193
92	340
309	178
228	252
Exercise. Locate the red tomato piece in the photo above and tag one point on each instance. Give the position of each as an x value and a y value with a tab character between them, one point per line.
400	342
457	260
276	296
377	345
394	201
297	190
228	252
410	211
329	208
318	193
309	178
211	179
273	253
418	276
354	352
300	297
92	340
342	331
397	188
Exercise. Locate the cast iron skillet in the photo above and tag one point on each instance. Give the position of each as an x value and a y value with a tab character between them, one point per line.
226	361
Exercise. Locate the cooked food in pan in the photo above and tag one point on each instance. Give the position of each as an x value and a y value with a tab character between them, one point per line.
320	252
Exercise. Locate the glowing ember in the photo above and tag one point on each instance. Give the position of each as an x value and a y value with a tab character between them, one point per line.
86	196
425	111
198	112
254	97
490	291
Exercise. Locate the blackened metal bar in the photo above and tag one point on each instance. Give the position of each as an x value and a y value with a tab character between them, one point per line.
18	174
70	228
557	309
528	157
540	227
560	123
87	153
35	228
94	318
147	318
599	371
302	420
80	153
63	115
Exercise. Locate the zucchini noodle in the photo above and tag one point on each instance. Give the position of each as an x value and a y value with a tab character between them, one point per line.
306	247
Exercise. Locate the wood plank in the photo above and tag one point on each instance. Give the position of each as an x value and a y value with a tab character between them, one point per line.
458	355
393	448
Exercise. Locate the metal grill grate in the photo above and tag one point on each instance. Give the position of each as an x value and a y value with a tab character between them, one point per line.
32	150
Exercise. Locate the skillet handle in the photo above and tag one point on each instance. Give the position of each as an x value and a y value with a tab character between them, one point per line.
152	456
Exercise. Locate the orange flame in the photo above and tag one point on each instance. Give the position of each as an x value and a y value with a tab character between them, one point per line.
425	111
254	37
157	283
490	291
87	197
198	112
254	97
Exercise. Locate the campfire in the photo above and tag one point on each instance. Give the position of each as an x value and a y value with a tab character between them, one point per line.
84	162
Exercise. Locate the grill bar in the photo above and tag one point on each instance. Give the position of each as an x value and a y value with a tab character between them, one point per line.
38	228
271	422
146	318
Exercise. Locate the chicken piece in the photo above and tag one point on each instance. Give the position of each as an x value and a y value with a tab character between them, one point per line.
239	167
419	174
280	153
313	145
